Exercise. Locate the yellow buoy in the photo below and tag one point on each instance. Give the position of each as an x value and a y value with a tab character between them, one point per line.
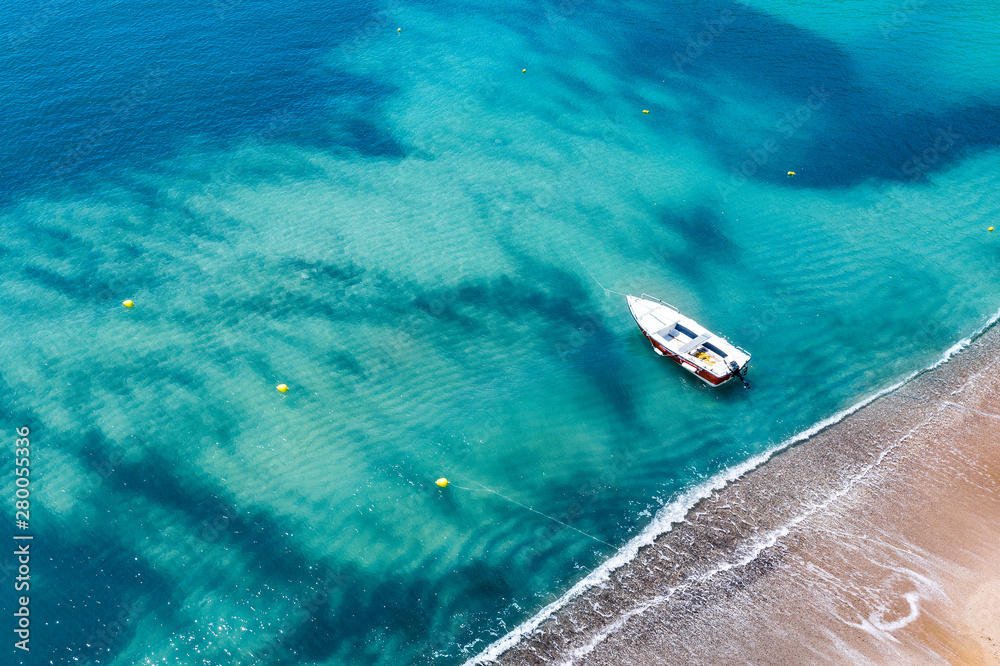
645	110
128	303
791	173
282	387
443	482
523	71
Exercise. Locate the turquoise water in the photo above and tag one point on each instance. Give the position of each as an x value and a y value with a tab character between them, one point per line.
409	232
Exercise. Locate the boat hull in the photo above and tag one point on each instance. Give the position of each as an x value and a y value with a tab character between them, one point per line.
709	357
706	377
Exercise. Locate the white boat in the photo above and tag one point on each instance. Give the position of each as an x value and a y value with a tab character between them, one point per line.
711	358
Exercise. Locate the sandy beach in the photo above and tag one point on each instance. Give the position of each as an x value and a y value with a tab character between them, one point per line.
874	541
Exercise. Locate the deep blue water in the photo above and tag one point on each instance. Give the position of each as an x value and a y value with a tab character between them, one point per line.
373	204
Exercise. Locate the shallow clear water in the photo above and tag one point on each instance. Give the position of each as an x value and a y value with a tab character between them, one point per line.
409	231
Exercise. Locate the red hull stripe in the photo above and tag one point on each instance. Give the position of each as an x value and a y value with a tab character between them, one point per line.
703	374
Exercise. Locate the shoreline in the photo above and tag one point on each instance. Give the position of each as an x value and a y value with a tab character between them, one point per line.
734	540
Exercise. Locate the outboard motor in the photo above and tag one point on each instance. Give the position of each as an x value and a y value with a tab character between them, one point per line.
739	373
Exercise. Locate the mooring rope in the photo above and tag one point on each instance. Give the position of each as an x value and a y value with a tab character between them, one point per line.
584	266
483	488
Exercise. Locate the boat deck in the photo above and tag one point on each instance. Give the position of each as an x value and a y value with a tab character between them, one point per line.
689	343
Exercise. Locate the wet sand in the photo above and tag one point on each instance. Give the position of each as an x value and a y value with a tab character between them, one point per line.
875	541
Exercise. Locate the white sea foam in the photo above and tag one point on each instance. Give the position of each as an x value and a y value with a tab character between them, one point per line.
876	626
675	512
